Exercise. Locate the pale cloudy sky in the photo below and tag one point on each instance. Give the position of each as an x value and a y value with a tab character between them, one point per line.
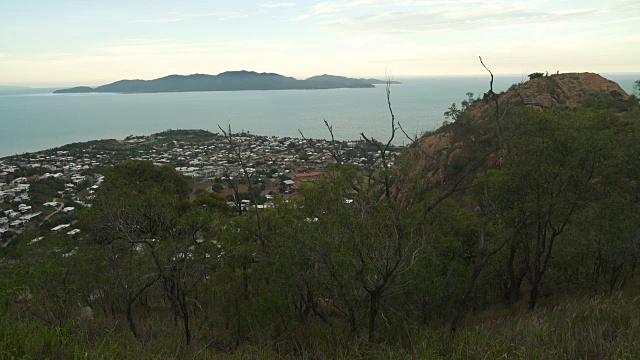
91	42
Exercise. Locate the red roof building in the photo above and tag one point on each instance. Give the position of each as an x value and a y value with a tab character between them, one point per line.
311	176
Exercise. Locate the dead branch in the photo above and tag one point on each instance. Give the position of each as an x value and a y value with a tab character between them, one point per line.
248	178
301	134
383	150
414	141
494	97
334	151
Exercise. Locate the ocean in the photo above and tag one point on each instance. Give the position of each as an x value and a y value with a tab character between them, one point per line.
36	119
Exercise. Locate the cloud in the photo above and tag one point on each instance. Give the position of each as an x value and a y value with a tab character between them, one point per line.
624	6
635	18
182	17
352	5
143	47
301	17
456	16
336	9
277	4
154	49
62	54
336	6
425	16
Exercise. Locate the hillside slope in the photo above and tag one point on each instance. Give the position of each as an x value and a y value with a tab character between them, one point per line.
446	154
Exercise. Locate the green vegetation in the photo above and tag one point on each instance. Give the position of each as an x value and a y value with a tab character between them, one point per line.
44	190
608	101
194	136
535	75
523	242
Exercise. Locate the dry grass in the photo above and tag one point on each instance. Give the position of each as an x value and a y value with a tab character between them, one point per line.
590	328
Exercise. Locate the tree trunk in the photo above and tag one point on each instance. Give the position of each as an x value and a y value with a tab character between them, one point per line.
245	281
374	298
511	294
515	278
514	289
613	279
425	311
185	318
465	297
353	325
535	293
132	324
597	268
237	309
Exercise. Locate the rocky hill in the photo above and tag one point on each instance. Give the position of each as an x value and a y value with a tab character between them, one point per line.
444	156
564	90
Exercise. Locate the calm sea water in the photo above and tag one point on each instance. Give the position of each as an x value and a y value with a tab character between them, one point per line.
36	119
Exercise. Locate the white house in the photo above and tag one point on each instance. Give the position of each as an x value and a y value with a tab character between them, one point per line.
35	240
60	227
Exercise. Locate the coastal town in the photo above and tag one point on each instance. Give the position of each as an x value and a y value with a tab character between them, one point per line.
44	190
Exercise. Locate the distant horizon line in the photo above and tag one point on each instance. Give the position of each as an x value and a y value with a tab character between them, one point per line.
98	82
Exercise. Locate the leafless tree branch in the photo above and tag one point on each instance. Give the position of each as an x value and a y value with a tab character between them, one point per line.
334	151
248	178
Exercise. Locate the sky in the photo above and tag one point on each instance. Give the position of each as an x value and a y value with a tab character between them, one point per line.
93	42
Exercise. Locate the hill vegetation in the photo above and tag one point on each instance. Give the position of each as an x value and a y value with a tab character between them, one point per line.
510	232
226	81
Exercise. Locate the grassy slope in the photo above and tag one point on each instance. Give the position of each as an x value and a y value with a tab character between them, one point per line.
594	327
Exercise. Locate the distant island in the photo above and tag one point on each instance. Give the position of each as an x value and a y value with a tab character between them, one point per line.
226	81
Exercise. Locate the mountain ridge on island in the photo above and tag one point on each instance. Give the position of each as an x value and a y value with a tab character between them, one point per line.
226	81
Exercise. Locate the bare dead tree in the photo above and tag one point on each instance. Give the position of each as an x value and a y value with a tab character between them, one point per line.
248	179
234	186
469	167
414	141
487	209
395	252
336	154
499	117
458	185
382	150
334	150
494	97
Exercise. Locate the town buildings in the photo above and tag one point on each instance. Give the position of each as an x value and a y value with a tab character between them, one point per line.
67	178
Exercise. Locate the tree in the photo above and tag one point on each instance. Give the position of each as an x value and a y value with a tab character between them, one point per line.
607	232
358	244
556	169
535	75
212	202
452	112
151	234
